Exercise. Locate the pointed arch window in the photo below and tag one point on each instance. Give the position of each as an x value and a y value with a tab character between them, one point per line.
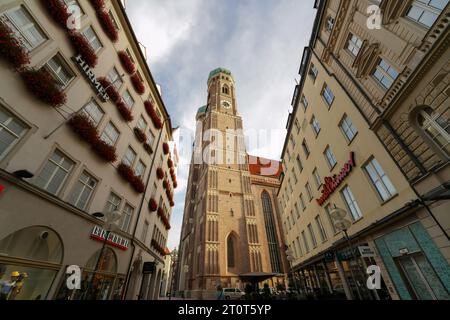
231	257
225	90
269	221
435	127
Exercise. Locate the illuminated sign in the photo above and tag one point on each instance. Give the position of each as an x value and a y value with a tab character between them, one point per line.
113	239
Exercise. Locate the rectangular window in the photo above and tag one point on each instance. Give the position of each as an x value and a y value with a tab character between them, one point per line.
74	3
129	157
348	129
313	72
292	140
309	191
312	236
94	113
299	245
426	12
328	95
380	180
128	99
110	135
127	214
328	212
83	191
297	126
115	78
140	169
59	70
354	44
293	218
329	156
317	178
90	35
11	131
144	232
322	233
302	202
113	19
299	164
150	138
351	203
55	173
385	74
305	102
306	148
315	126
113	203
25	28
305	241
142	124
295	177
297	210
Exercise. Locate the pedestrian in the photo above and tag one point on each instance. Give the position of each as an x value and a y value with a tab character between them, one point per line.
220	295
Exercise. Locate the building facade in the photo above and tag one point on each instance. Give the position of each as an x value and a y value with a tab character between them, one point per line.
84	132
371	114
230	224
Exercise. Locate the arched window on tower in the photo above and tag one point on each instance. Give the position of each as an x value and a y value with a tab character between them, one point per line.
269	221
231	257
225	89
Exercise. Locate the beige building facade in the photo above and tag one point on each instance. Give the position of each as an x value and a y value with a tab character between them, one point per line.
230	227
76	146
374	84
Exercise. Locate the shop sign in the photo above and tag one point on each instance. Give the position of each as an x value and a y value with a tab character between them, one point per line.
332	183
113	239
366	252
149	267
89	74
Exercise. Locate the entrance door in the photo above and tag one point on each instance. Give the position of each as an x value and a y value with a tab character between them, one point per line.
422	281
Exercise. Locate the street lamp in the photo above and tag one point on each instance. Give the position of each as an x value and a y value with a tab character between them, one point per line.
290	258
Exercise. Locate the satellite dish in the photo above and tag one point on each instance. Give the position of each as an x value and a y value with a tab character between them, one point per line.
338	214
342	225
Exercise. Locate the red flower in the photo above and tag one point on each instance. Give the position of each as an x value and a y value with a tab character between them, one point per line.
44	86
138	84
148	148
84	128
110	89
138	184
140	134
58	10
105	151
165	184
160	173
11	48
152	205
172	171
170	163
172	204
124	111
160	212
126	62
84	48
108	25
166	148
153	115
175	184
98	4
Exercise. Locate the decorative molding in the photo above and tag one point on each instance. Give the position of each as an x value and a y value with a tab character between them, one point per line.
366	59
391	10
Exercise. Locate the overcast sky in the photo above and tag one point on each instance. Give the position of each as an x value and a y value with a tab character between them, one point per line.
260	41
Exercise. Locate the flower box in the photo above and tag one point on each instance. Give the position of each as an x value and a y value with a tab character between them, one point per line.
153	115
44	86
165	184
138	84
126	172
105	151
175	184
58	10
160	173
84	128
110	89
126	62
170	163
124	111
108	25
98	4
140	135
138	184
152	205
160	212
148	148
166	148
12	49
84	48
172	204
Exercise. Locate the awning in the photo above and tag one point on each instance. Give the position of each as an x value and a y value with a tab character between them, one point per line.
258	276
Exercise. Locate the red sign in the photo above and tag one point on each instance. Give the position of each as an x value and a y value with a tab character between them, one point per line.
113	239
332	183
2	188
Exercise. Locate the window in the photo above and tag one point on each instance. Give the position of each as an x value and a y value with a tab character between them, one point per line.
312	236
140	169
313	72
315	126
70	3
11	131
328	212
297	210
59	70
110	135
305	241
317	178
93	111
354	44
436	128
295	177
293	218
306	148
380	180
385	74
144	231
328	95
292	140
129	157
115	78
150	138
90	35
322	233
113	203
329	156
113	19
230	252
297	125
272	241
299	164
225	90
305	102
302	202
309	191
127	214
348	129
26	28
83	190
128	99
330	24
299	245
351	203
426	12
55	173
142	124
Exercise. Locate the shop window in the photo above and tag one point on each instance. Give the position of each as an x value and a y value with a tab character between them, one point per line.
11	131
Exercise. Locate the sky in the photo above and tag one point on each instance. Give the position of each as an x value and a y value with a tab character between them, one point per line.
260	41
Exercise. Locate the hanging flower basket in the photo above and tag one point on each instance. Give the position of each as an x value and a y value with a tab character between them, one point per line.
105	151
166	148
110	89
138	84
140	135
98	4
12	49
148	148
138	184
44	86
126	62
108	25
82	46
160	173
84	128
153	115
58	10
124	111
152	205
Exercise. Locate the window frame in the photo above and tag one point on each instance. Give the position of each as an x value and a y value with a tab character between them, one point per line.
17	138
91	194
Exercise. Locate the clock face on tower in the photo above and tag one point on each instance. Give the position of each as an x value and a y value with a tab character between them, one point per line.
226	104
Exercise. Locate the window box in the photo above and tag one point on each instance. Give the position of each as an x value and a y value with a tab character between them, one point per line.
98	4
108	25
124	111
152	113
138	184
84	48
110	89
165	184
12	49
170	163
140	135
148	148
84	128
126	172
160	173
166	148
44	87
105	151
152	205
58	10
138	84
126	62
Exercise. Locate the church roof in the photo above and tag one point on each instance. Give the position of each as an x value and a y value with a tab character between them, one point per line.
201	110
265	167
219	70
